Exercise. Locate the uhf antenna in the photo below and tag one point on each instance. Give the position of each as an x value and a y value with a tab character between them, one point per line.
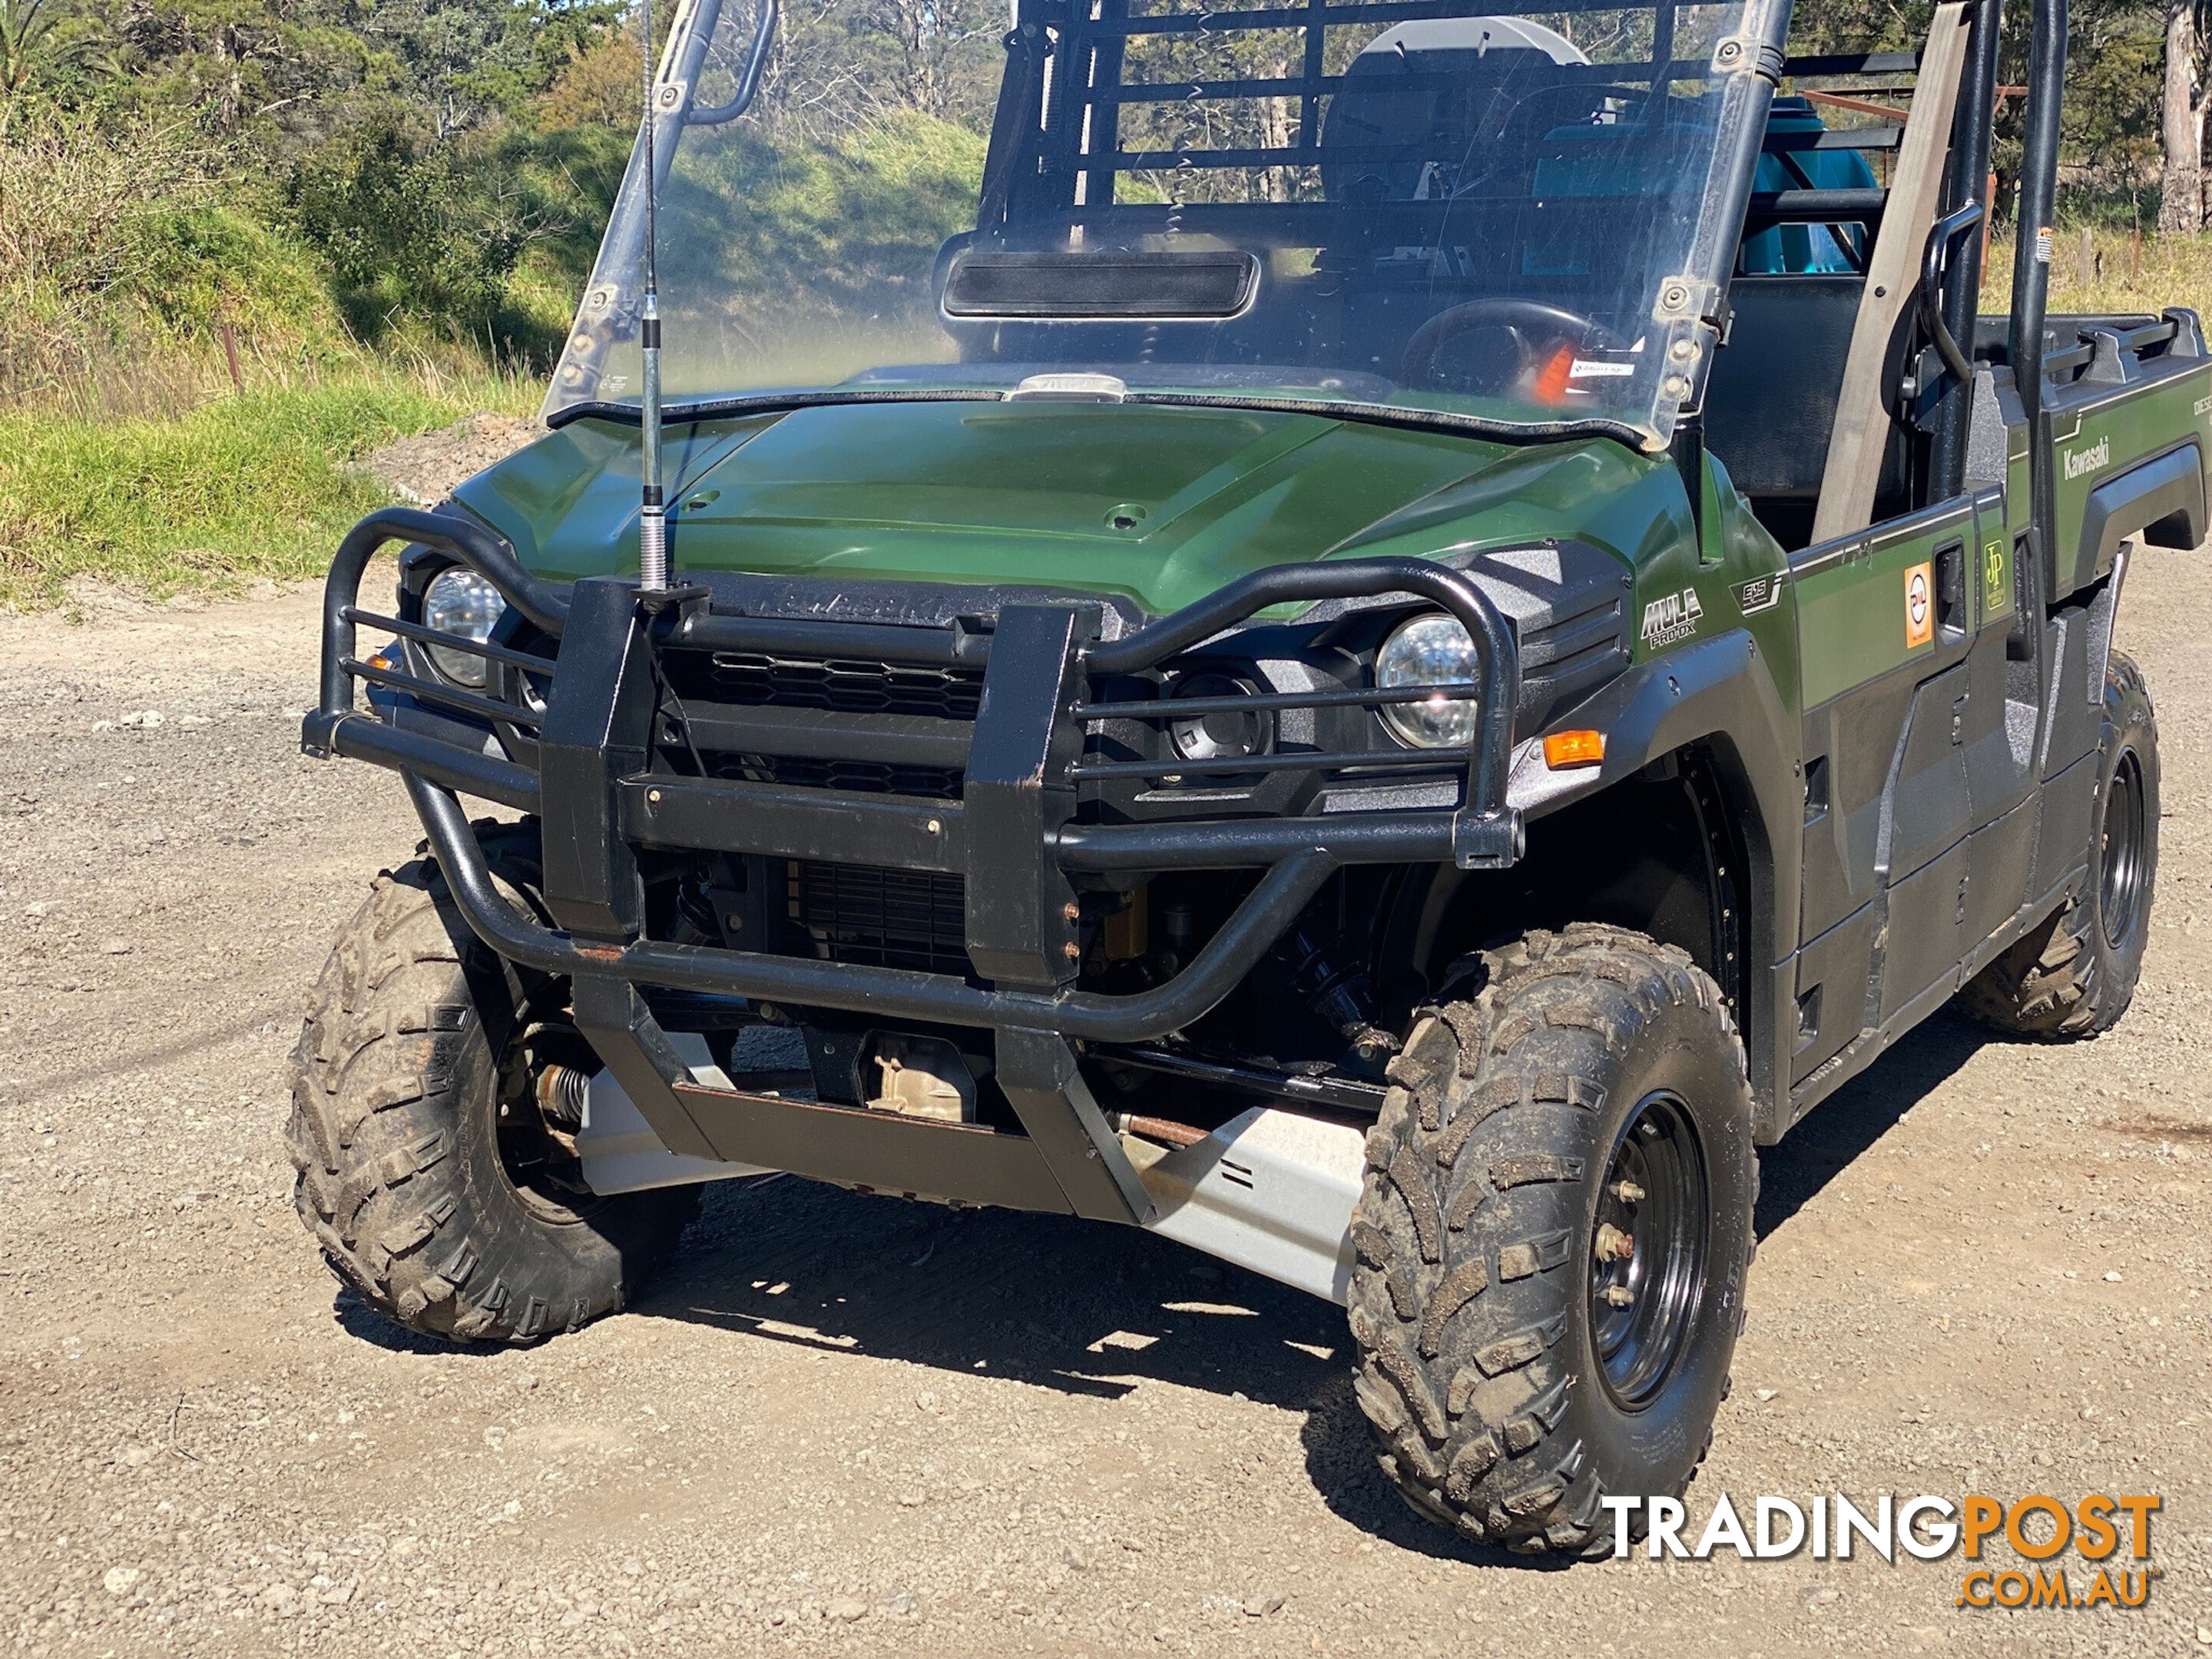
651	519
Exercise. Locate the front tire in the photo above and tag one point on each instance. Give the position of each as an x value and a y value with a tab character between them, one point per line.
432	1190
1552	1239
2075	976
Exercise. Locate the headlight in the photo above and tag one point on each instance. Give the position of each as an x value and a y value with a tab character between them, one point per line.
461	602
1430	650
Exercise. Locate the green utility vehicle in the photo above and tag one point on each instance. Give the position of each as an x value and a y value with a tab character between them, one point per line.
1437	625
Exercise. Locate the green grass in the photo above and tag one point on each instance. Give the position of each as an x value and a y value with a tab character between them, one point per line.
239	488
2121	273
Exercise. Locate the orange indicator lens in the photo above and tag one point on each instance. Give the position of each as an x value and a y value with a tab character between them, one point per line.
1563	749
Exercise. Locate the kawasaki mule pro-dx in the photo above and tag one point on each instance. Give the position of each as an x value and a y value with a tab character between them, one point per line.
1438	624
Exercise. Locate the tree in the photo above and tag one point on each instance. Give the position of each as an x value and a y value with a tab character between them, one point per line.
39	42
2181	202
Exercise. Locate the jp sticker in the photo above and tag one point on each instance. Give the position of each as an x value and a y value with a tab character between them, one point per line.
1919	605
1997	578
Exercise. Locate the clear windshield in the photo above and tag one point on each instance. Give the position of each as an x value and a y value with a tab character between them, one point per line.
1525	219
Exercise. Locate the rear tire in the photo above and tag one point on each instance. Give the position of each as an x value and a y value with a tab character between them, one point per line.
420	1201
1515	1366
2075	976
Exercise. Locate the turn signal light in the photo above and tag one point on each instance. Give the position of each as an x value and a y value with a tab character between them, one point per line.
1563	750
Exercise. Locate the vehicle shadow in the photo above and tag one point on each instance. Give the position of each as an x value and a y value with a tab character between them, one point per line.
1863	1110
1081	1307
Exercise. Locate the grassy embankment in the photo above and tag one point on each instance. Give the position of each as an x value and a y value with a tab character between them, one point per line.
250	485
183	402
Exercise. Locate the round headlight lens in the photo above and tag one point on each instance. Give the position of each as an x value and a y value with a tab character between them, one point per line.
461	602
1430	650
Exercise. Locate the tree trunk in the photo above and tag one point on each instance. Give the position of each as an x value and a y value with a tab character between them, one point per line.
2181	205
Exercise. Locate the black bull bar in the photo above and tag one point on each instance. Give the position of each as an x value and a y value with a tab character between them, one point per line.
1011	835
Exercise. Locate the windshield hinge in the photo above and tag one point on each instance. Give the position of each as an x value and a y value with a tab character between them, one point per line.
1686	307
1742	53
1693	299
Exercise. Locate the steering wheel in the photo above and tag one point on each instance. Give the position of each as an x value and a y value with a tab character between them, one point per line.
1532	323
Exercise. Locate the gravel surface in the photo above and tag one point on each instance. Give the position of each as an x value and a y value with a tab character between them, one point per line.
843	1423
426	470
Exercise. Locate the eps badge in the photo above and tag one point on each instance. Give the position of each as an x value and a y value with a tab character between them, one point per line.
1760	593
1919	605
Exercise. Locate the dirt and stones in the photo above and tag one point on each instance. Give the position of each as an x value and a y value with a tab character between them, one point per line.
845	1425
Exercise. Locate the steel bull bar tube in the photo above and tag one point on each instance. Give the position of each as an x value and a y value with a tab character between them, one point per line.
1289	886
340	727
1018	846
1485	834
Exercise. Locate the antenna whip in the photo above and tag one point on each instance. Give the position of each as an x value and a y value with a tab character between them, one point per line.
651	521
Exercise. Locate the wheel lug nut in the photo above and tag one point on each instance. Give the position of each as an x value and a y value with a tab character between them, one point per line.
1616	1295
1613	1244
1628	1192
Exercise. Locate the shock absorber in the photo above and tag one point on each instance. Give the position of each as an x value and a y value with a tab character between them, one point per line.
561	1094
1337	988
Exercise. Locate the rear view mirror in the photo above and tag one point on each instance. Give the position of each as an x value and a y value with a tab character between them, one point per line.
1105	286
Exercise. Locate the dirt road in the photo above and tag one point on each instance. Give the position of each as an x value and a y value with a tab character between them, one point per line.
843	1423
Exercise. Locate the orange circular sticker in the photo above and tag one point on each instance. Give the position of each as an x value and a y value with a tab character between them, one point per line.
1919	605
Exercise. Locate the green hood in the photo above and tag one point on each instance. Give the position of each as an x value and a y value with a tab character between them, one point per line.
1161	504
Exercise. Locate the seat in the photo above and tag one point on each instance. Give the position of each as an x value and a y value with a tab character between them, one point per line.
1771	398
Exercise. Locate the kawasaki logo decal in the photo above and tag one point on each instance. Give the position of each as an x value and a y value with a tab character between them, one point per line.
1672	618
2081	462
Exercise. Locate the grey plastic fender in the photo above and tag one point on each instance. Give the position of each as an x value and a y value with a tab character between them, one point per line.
2163	498
1718	693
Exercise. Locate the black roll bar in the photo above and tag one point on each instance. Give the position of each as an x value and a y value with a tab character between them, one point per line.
2031	265
1969	166
748	81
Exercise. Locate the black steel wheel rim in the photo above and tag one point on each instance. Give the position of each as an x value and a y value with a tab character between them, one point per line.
1648	1250
2120	851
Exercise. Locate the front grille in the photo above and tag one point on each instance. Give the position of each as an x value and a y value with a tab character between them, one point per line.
878	918
861	777
853	687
